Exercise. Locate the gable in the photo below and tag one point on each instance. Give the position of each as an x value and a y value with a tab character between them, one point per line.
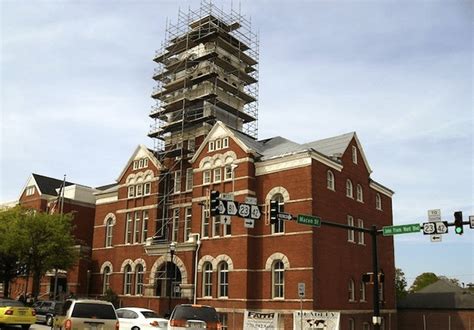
141	152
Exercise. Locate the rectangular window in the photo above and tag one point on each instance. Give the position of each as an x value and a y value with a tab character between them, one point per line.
225	142
131	191
228	173
135	164
147	188
189	179
227	229
187	223
211	145
217	175
145	226
217	226
145	162
30	190
350	232
205	222
206	177
140	163
218	144
224	322
177	181
128	229
139	189
136	235
354	154
360	234
175	225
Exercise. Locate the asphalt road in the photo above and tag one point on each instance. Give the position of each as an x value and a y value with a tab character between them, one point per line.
33	327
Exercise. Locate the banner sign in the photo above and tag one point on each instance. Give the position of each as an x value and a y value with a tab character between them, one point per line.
316	320
258	320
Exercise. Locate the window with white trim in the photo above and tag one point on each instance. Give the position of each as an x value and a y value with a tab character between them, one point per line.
349	192
362	291
223	278
207	280
350	232
140	163
127	280
135	164
278	279
217	226
224	321
225	142
218	144
174	236
139	277
138	190
354	154
108	232
360	193
177	181
147	189
205	220
145	162
206	177
187	223
351	324
360	234
136	228
351	288
211	146
378	202
128	228
30	190
145	226
330	180
131	191
106	279
189	179
228	172
217	174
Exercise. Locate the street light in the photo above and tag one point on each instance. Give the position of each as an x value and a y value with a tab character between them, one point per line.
195	238
172	247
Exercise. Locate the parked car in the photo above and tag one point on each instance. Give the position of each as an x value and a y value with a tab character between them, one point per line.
45	311
187	316
13	312
86	314
132	318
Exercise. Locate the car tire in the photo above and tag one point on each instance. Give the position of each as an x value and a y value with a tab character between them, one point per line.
49	320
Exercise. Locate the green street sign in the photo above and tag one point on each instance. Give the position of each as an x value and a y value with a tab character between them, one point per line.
309	220
402	229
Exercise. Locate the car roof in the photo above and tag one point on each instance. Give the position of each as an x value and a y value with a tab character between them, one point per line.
94	301
136	309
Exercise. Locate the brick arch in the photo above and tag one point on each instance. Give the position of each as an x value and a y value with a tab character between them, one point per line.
140	261
206	258
220	258
125	263
106	264
131	177
161	261
277	256
110	215
277	190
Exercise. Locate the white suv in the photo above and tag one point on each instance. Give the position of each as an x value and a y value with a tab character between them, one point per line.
86	314
188	317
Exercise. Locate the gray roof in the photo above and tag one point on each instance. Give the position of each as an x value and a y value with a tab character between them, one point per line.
439	295
278	146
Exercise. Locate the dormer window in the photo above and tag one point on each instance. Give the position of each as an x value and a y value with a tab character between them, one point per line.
211	146
225	142
354	154
140	163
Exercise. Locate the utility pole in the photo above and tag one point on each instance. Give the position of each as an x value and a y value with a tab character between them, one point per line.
376	319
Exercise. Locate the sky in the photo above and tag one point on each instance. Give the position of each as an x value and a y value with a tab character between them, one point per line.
76	83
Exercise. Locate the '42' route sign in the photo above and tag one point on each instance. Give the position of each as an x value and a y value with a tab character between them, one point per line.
243	210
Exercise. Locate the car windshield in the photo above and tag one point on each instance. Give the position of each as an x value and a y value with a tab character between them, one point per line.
150	315
94	311
195	313
12	303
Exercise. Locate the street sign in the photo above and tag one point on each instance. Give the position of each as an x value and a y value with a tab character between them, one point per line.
309	220
284	216
436	238
301	290
231	208
244	210
471	221
434	215
249	223
402	229
255	212
435	228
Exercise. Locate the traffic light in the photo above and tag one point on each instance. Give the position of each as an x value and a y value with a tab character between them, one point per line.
458	223
273	212
214	202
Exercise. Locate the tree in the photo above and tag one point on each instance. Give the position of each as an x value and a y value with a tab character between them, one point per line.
42	241
423	280
400	284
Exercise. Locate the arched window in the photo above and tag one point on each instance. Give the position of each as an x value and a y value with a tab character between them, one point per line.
360	193
378	202
279	226
351	290
330	180
108	232
139	279
127	280
223	270
362	291
207	280
278	279
106	279
349	192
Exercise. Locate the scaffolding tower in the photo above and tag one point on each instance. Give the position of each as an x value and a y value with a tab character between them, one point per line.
207	72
